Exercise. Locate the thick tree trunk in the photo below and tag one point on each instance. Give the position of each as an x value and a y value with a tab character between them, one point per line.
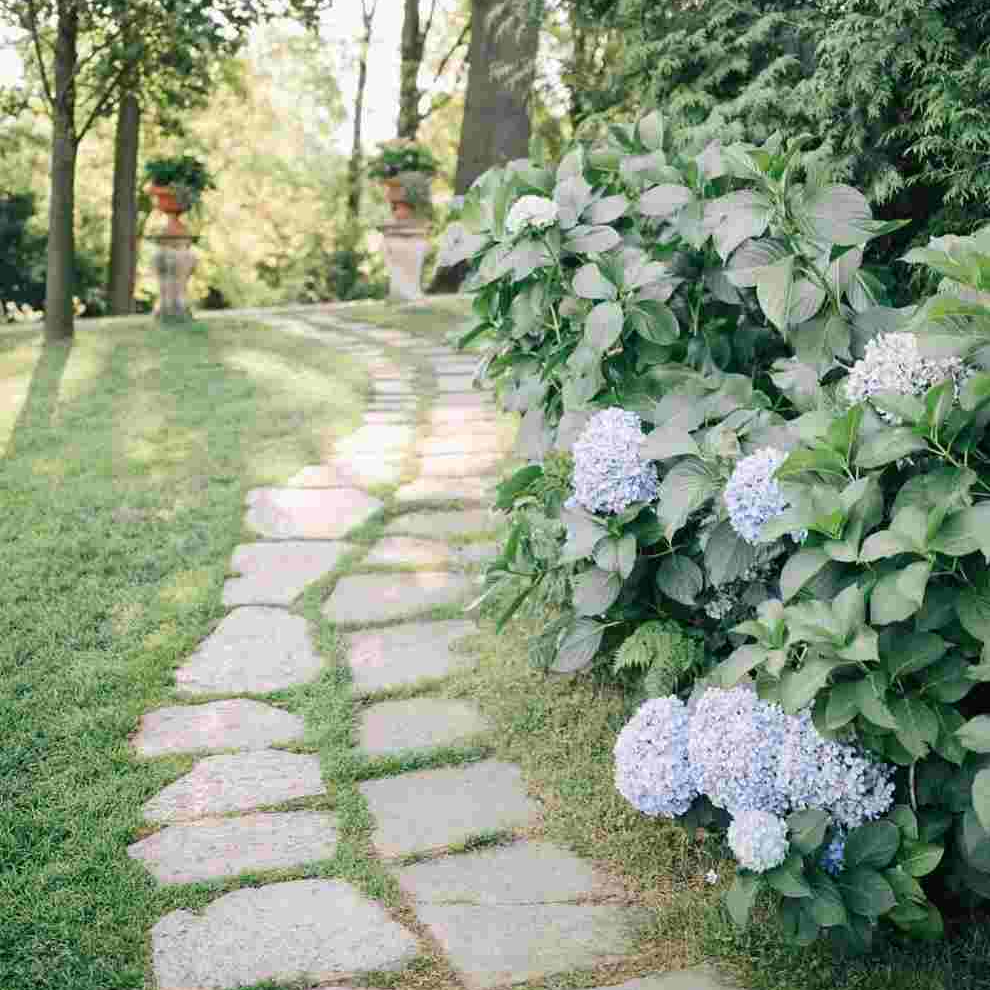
413	43
502	62
60	278
123	223
354	165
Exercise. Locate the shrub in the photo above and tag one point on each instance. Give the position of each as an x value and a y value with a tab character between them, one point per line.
821	520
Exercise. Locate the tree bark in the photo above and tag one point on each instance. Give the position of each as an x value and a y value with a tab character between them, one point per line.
60	278
354	165
123	223
413	44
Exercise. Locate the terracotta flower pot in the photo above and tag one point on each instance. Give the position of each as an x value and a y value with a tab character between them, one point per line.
168	203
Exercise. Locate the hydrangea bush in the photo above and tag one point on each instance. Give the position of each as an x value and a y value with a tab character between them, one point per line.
810	500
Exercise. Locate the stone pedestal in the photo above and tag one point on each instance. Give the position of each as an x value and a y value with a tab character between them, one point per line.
173	263
406	245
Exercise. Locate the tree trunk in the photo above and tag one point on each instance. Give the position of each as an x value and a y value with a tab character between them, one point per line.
502	62
413	43
123	223
354	166
60	278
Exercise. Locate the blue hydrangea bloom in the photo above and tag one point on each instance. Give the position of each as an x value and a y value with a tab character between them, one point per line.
814	772
758	840
834	855
651	759
752	494
734	746
609	473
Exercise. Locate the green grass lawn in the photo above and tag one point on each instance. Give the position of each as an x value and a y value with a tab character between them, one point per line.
123	466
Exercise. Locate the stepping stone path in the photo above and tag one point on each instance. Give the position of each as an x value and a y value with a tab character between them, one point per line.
501	914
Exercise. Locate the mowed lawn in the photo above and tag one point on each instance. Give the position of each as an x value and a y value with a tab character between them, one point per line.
124	462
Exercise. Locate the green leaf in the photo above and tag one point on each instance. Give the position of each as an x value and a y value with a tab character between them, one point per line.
873	844
799	687
508	490
590	283
913	652
685	487
975	841
578	646
973	610
975	734
906	820
774	288
592	240
663	201
981	797
866	892
583	534
739	663
871	696
842	706
654	321
595	590
886	543
788	878
885	446
741	896
837	214
807	829
752	258
603	326
727	555
606	210
680	578
917	726
666	442
627	555
826	906
651	130
799	570
921	858
963	532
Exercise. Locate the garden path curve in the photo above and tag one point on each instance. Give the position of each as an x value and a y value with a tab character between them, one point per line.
258	817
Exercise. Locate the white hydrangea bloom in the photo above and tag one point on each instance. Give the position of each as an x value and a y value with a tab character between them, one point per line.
609	471
531	212
893	363
753	496
758	840
651	759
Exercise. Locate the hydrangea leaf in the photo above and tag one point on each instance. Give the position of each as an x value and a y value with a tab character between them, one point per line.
583	533
741	897
981	797
837	214
751	258
788	879
827	907
686	487
735	218
866	892
651	130
886	446
973	610
680	578
591	240
807	829
607	209
921	858
975	734
603	326
590	283
799	687
595	590
739	663
663	201
578	646
873	844
975	842
572	196
667	442
799	569
727	555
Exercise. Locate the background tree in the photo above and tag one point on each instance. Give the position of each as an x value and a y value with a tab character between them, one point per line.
354	178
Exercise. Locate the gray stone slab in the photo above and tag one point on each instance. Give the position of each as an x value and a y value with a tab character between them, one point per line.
396	551
696	978
400	655
460	399
346	472
464	522
444	418
301	930
456	383
362	598
493	946
234	724
431	809
463	445
224	847
254	650
277	573
372	441
521	873
430	490
418	723
458	465
219	785
304	513
394	386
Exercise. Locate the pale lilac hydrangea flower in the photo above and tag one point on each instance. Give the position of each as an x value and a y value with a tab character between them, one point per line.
814	772
758	840
609	472
651	760
753	496
733	745
893	363
530	213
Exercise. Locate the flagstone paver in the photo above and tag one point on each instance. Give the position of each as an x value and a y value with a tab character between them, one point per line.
381	659
281	932
520	873
277	573
458	465
468	444
417	812
304	513
234	724
448	417
219	785
223	847
410	551
493	946
418	723
697	978
361	598
345	472
254	649
455	523
455	383
431	490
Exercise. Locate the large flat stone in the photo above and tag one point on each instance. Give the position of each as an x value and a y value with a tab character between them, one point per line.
225	847
447	417
418	723
304	513
453	382
458	399
521	873
219	785
431	809
696	978
277	573
493	946
387	418
458	465
362	598
444	524
255	650
233	724
301	930
397	551
346	472
388	658
371	441
433	490
394	386
463	445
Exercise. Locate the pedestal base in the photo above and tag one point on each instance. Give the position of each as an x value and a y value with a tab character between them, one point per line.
174	262
406	245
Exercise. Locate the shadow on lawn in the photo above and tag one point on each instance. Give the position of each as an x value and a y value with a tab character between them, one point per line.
41	401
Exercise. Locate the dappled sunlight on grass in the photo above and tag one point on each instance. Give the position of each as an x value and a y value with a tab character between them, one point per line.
435	316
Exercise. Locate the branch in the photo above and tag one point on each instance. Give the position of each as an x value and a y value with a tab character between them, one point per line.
31	16
424	34
450	54
111	90
436	103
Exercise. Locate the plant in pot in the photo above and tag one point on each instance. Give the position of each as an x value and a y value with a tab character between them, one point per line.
406	168
177	185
